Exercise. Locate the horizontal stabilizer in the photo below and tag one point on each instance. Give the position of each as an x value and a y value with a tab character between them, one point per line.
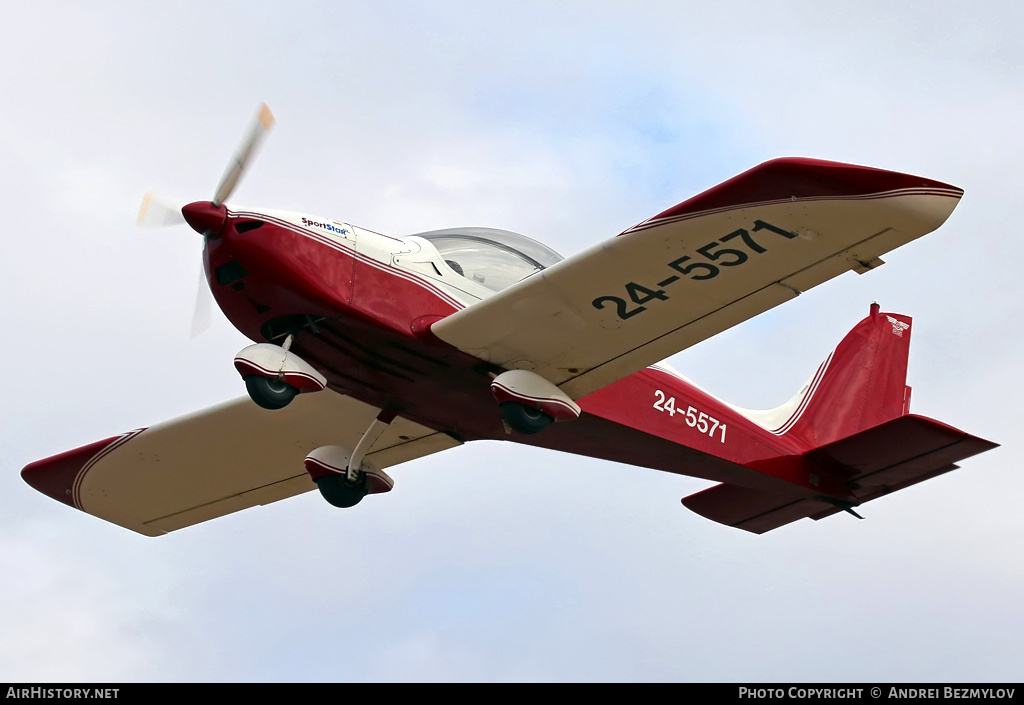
898	454
889	457
753	510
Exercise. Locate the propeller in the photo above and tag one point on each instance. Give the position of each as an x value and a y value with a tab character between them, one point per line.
202	311
158	211
260	127
207	216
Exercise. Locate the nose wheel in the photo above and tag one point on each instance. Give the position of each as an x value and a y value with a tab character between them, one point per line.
273	375
269	392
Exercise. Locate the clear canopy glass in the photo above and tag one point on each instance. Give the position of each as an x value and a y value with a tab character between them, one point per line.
494	258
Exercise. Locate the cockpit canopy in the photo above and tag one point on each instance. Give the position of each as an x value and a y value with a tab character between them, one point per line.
494	258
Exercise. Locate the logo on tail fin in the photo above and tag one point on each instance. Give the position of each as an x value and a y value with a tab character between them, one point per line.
898	326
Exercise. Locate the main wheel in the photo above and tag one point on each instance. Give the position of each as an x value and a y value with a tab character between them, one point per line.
268	392
523	418
338	491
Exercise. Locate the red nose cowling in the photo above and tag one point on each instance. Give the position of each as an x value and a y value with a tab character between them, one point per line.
203	216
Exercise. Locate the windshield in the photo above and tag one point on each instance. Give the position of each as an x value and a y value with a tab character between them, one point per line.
494	258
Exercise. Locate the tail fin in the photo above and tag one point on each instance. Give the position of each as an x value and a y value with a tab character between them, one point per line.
862	383
854	424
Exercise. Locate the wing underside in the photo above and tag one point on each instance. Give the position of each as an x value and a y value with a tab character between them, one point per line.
218	461
697	269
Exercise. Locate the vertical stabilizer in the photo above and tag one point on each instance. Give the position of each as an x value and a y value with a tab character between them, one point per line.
861	385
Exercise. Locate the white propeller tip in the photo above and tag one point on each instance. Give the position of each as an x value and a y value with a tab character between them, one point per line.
144	208
155	212
265	117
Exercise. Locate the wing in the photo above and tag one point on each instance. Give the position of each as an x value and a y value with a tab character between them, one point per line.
218	461
697	269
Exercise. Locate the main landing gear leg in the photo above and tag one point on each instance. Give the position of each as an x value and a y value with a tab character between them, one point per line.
347	489
370	436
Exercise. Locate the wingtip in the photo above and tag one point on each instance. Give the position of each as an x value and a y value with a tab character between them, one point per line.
58	475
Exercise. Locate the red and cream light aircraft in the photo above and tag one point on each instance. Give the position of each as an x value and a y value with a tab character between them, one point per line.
370	351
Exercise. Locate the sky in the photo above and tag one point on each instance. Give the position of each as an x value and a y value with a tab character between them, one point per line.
567	122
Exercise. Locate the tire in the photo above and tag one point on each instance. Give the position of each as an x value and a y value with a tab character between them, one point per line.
268	392
339	492
523	418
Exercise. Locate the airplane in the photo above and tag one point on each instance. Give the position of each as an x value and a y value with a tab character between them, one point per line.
371	350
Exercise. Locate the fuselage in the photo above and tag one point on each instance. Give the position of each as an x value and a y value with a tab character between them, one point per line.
359	305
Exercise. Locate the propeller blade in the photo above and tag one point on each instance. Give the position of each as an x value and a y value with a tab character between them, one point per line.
264	121
157	212
202	312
